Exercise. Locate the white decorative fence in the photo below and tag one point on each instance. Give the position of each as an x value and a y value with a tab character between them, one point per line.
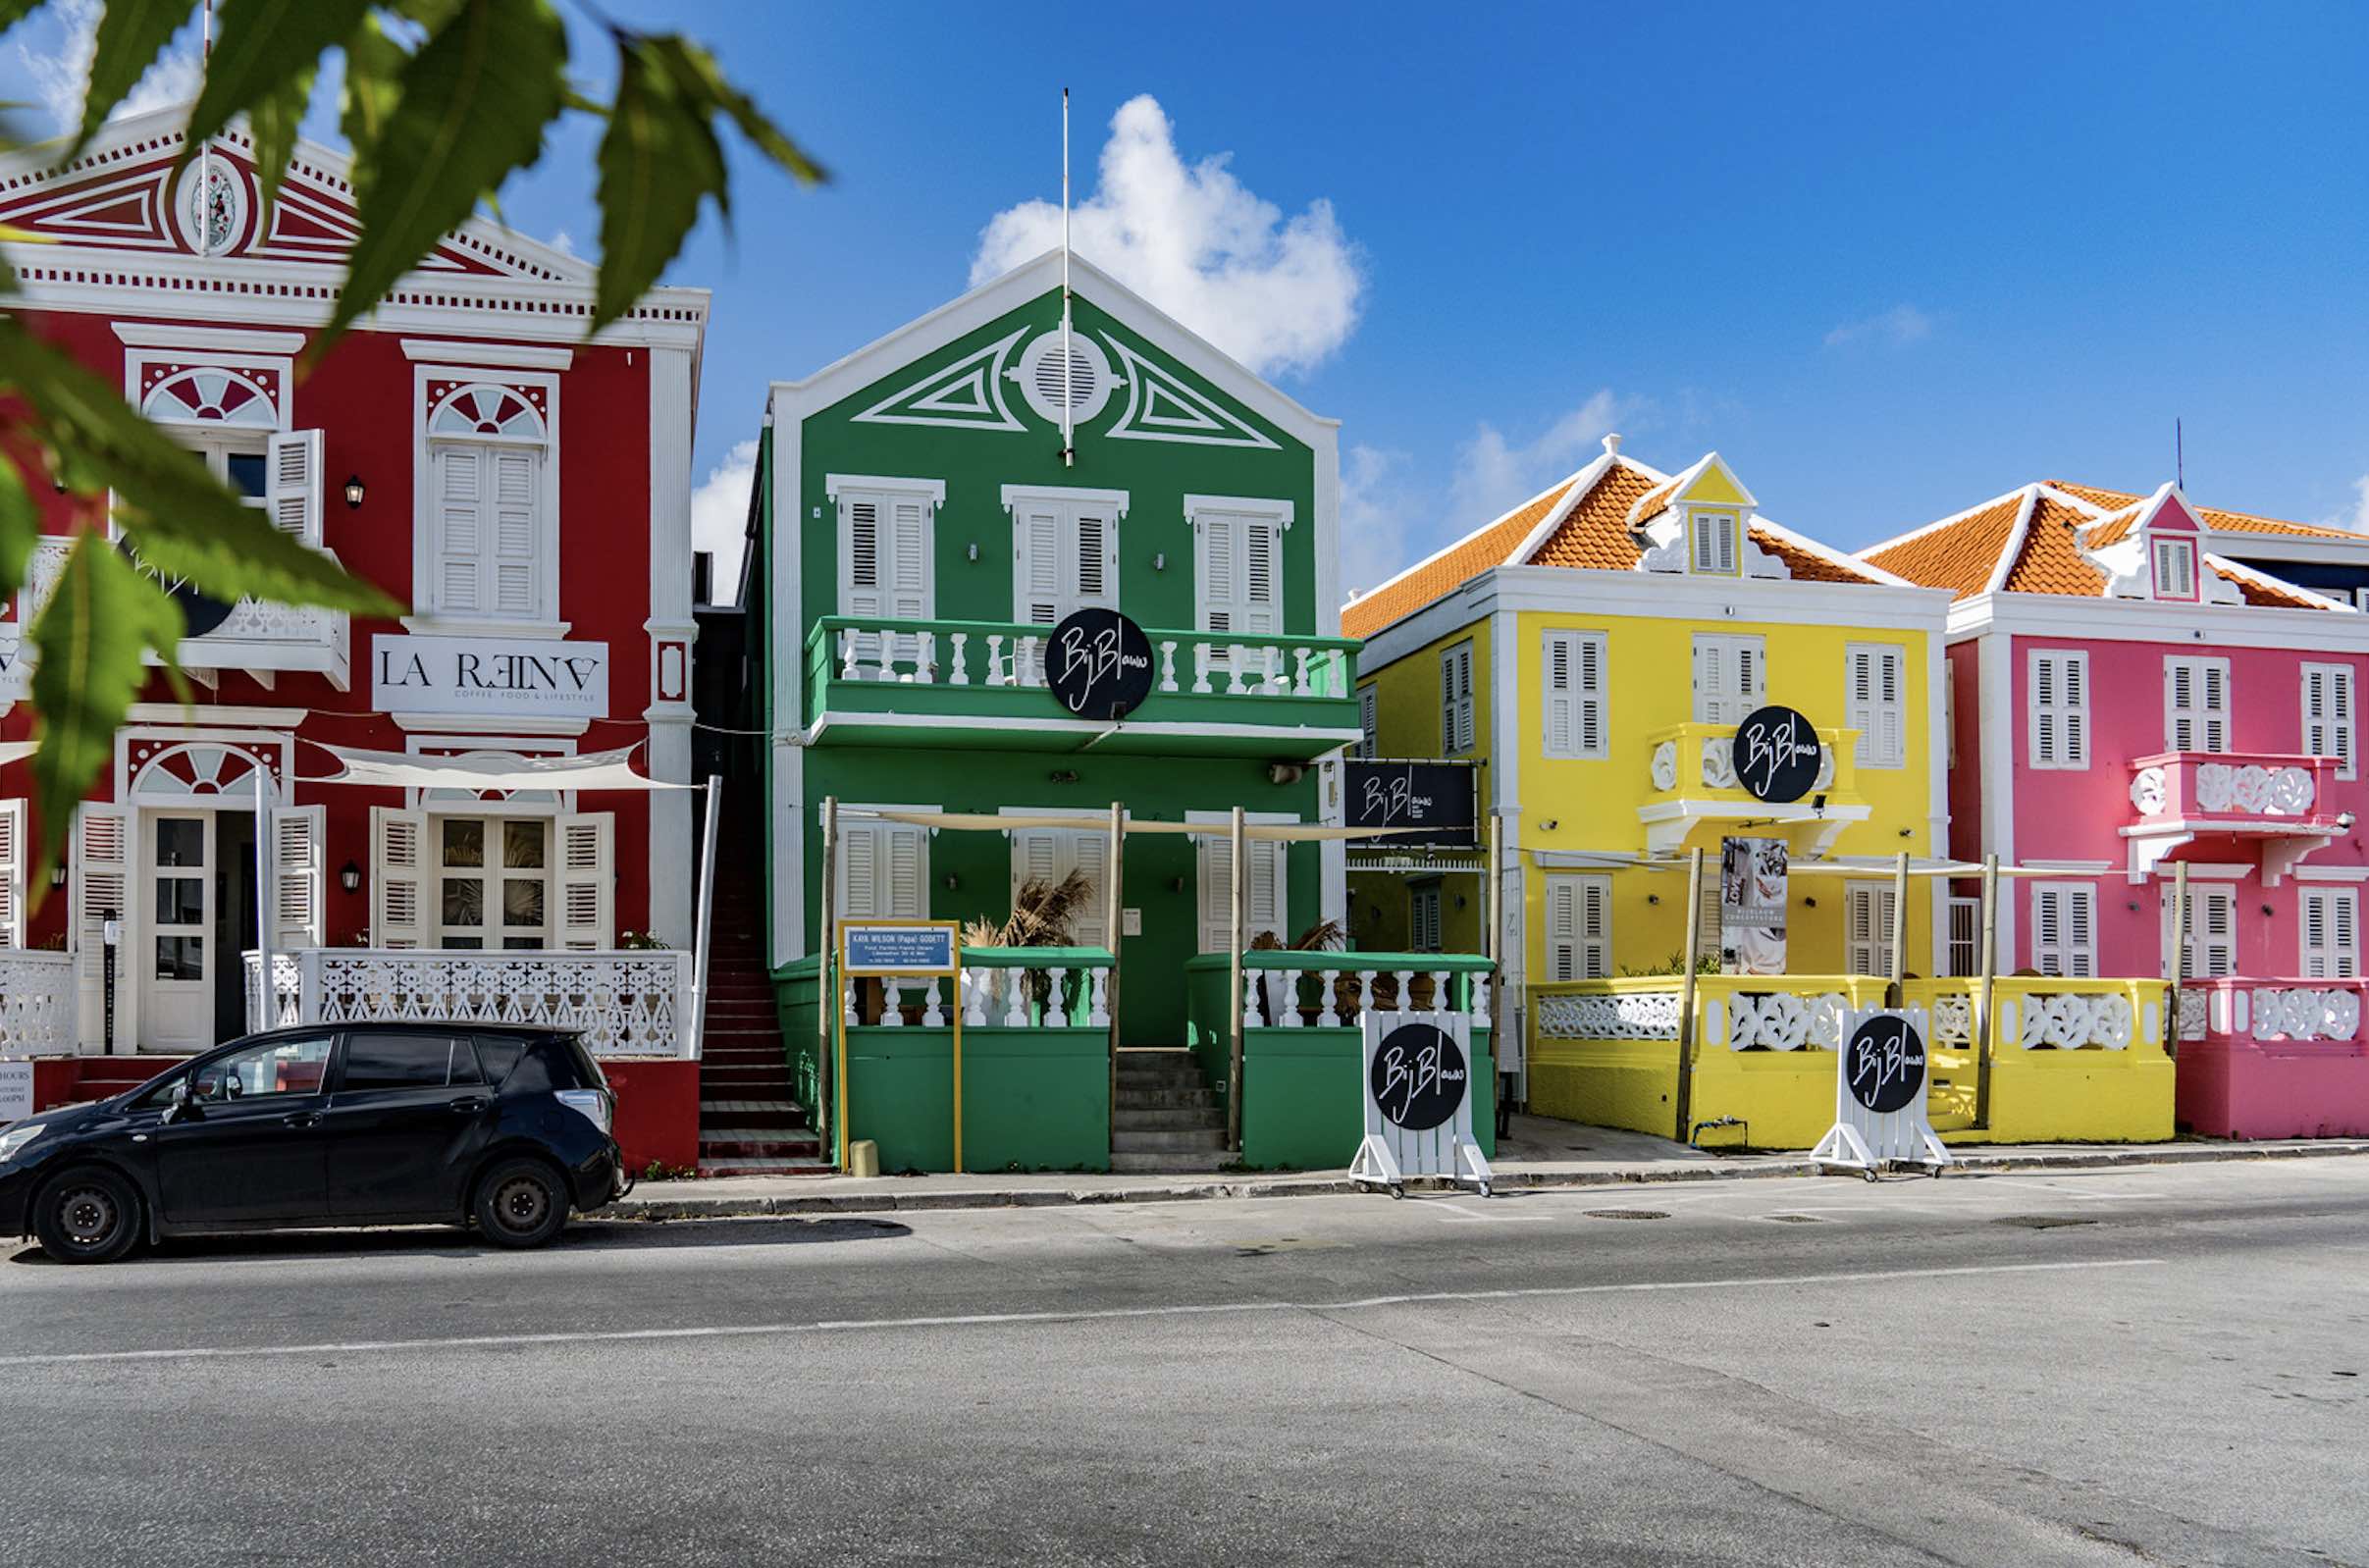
622	1002
985	655
39	998
2264	1010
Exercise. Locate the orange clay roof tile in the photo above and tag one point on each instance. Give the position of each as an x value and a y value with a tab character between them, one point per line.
2211	517
2265	590
2113	529
1596	533
1960	555
1447	571
2050	562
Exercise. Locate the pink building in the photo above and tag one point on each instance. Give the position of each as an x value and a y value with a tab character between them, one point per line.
2129	696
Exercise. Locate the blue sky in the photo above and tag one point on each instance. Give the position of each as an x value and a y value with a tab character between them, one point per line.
1888	260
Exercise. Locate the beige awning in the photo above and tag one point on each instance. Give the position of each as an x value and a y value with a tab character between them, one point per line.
591	771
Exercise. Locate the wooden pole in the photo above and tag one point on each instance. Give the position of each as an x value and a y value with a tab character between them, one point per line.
1987	989
1493	945
829	1080
1234	917
1686	990
1898	932
2180	953
1114	903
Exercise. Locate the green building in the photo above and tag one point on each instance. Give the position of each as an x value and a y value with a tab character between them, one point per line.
922	525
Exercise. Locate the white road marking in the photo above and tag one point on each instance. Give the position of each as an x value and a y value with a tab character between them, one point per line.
1456	1214
493	1342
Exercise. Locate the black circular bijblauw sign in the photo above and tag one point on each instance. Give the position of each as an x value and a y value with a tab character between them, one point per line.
1776	755
1418	1076
1098	664
1884	1064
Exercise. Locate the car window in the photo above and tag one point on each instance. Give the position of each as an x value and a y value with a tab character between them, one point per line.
500	1053
405	1061
284	1066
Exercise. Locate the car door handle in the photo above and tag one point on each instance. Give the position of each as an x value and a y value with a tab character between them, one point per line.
471	1106
300	1119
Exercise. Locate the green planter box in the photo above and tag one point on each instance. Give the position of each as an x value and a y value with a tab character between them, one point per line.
1304	1108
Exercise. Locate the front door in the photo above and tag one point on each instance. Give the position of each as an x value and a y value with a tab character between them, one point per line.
248	1146
410	1116
180	953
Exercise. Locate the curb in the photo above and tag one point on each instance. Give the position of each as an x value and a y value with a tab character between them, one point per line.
754	1206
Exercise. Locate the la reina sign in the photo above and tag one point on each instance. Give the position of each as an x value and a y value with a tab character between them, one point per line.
489	675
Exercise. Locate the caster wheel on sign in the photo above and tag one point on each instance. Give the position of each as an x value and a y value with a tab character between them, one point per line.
1397	1192
1487	1191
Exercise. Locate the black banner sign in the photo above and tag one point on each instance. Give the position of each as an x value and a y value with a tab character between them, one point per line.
1099	664
1437	798
1419	1077
1885	1065
1776	755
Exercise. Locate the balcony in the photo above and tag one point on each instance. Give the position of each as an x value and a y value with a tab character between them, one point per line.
2220	806
980	685
624	1003
1691	780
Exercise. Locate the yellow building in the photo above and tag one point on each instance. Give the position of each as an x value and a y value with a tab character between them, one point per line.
1593	652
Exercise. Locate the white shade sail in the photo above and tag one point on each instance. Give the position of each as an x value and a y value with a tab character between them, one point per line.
592	770
1100	822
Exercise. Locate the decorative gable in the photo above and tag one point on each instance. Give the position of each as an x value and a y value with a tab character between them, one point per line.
2154	550
1701	523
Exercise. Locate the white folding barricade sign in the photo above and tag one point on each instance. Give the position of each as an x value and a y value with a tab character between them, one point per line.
1418	1101
1879	1080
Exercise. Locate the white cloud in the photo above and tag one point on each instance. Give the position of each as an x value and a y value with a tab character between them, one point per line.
1381	513
1896	328
1493	475
62	77
1277	294
2356	519
564	243
720	514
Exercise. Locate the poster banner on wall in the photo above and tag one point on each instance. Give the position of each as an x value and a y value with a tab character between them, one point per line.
1752	905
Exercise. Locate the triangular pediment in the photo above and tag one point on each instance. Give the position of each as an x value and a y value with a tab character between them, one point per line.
2168	511
1711	483
123	194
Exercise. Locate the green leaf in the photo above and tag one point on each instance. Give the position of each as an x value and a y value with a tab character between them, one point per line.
132	33
373	63
274	118
12	11
658	158
20	527
265	47
88	638
472	106
185	522
688	63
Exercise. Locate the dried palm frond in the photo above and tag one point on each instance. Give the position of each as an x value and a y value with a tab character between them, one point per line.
1266	942
1045	913
1324	936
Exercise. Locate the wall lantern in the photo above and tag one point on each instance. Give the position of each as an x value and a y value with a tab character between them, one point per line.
353	498
57	874
349	877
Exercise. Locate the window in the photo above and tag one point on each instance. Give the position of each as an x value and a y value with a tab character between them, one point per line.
493	534
1423	918
1575	693
1369	744
284	1066
1731	674
2064	929
2175	569
1965	935
2212	933
1875	702
883	870
1456	699
1065	551
1238	573
1715	541
2332	941
494	881
887	568
1579	927
403	1061
1080	395
2060	710
1868	909
2195	705
1266	884
1050	856
2328	715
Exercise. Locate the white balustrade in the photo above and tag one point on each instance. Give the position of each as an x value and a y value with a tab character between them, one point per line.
1607	1015
38	999
622	1002
995	660
1438	990
892	1003
1168	666
959	642
1329	1015
932	1013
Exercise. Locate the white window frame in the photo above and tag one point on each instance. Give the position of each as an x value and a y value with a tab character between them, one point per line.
1729	707
1209	873
1067	850
491	932
881	836
427	615
2203	963
2337	954
2180	555
1963	935
2331	731
1369	720
2209	723
1872	953
2057	709
1457	732
1572	952
1068	504
1577	710
1423	917
2070	954
1715	543
1882	722
1204	514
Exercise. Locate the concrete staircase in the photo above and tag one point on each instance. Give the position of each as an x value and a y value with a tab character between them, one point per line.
1166	1118
750	1122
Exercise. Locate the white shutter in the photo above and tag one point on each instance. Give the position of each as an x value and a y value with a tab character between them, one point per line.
1039	565
1868	909
1240	581
1267	895
1730	675
2195	699
1873	704
1216	870
1714	536
1574	693
587	879
2058	701
2211	935
102	889
1217	572
296	877
859	858
2064	929
2328	729
1579	927
1562	928
461	527
860	585
515	535
1369	743
292	484
1594	927
907	582
905	875
2331	934
1456	699
1262	577
1049	855
12	873
398	877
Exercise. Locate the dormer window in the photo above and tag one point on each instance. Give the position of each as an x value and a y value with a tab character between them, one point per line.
1715	541
2175	569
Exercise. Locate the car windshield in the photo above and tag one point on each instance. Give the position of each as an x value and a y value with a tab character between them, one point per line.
288	1064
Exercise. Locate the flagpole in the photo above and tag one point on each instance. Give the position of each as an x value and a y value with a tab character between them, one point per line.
205	148
1069	375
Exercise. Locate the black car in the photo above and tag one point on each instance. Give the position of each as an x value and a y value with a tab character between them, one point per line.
362	1124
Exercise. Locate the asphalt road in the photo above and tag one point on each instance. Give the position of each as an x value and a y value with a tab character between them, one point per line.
2151	1366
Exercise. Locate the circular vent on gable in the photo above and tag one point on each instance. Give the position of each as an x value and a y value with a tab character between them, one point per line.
1084	387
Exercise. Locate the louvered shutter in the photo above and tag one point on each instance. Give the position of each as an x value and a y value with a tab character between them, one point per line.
1241	578
2076	728
860	530
1562	694
2196	704
2211	936
904	895
587	880
2059	700
12	873
1867	928
296	877
2047	929
1040	574
1592	739
292	484
1269	909
398	877
1369	743
1215	856
1262	573
2328	729
460	530
1456	699
1873	705
907	582
859	872
2330	936
102	890
2213	685
1594	927
1219	572
1562	927
515	534
2080	931
1730	673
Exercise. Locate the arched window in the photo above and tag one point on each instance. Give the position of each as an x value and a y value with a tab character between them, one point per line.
211	395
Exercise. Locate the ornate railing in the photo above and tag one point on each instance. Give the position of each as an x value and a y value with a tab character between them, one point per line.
38	997
2264	1010
2046	1013
1740	1011
1001	988
1293	988
622	1002
2250	787
1694	759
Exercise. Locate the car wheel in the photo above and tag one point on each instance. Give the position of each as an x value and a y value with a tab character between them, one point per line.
521	1203
87	1216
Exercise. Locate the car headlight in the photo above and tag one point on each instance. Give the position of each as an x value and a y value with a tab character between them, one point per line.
596	1105
13	1142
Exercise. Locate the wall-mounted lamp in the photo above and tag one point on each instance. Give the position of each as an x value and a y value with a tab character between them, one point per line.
57	874
1063	775
973	551
354	490
1549	824
1809	904
2132	906
1176	884
2344	820
349	877
953	882
1285	772
2266	909
1460	901
1907	832
1159	562
1653	898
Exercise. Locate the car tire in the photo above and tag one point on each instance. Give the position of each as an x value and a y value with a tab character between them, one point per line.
521	1203
88	1215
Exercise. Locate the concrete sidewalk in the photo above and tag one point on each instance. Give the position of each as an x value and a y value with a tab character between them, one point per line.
1540	1153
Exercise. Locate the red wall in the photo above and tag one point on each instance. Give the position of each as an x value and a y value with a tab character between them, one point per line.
658	1111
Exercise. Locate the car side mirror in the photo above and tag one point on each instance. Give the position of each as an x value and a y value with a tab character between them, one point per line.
183	1103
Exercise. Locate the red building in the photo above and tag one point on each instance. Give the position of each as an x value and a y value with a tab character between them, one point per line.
467	450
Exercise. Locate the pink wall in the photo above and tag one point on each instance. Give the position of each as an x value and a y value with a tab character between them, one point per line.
1966	772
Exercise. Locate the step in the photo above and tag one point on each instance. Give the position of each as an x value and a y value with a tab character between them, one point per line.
1132	1119
726	1109
1125	1164
752	1165
757	1143
1140	1099
1194	1140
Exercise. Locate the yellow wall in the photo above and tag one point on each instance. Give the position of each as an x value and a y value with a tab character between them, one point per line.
1406	713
